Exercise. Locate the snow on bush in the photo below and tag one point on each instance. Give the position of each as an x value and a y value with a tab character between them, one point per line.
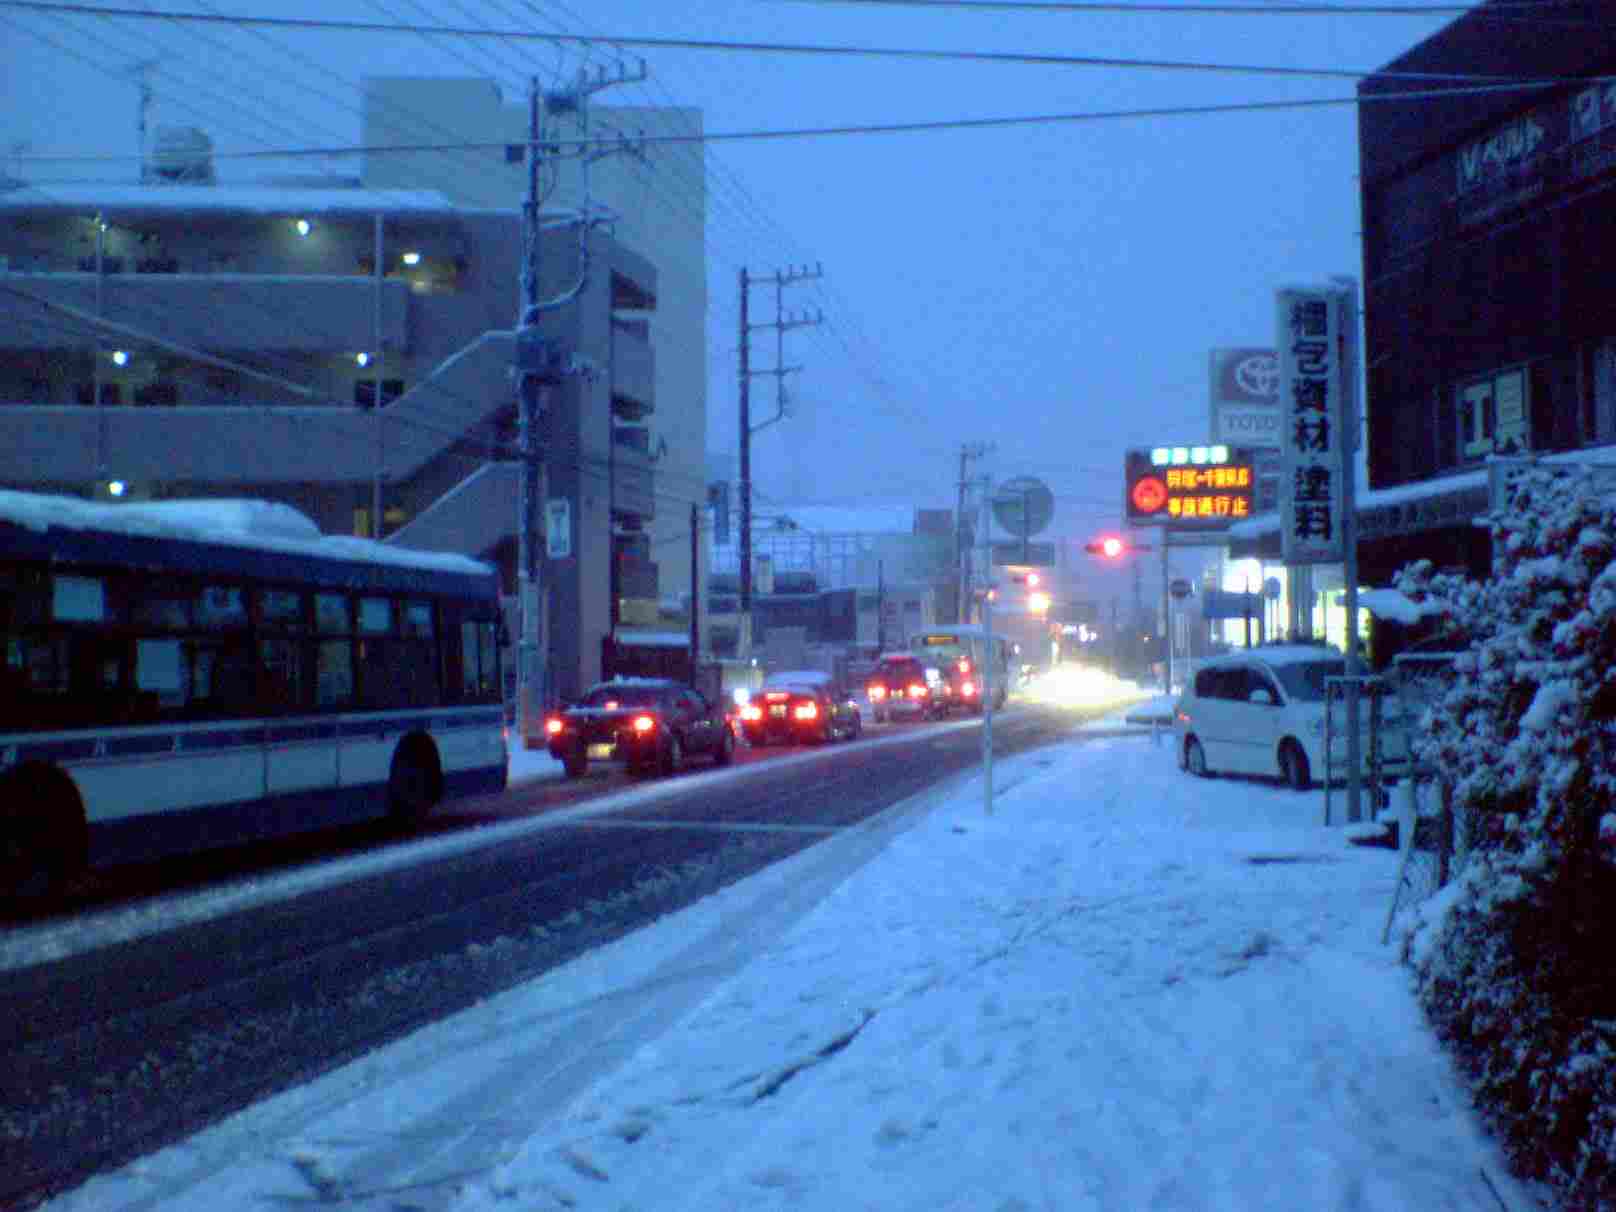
1516	964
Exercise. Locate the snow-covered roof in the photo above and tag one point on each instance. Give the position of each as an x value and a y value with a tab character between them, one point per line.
241	199
263	525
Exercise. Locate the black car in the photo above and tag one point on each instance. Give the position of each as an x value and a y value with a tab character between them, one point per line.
649	725
805	705
900	688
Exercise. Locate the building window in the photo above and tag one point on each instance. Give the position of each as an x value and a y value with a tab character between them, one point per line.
1599	418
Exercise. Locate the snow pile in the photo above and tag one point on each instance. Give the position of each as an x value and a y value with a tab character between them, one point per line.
1514	962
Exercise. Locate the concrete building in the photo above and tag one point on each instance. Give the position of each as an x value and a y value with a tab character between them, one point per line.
218	340
654	196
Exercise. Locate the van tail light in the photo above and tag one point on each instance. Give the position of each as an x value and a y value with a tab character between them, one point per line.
752	713
807	711
553	726
877	692
917	690
968	689
644	724
777	696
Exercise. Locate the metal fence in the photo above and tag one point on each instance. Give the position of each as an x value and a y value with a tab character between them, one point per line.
1433	837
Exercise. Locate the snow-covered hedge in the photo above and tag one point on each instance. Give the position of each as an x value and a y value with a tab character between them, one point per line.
1516	965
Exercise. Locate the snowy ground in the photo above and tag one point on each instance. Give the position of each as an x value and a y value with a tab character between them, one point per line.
1123	989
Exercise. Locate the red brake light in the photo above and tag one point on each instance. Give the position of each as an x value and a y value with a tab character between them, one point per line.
751	712
965	664
777	696
967	689
917	690
807	711
878	691
644	724
553	725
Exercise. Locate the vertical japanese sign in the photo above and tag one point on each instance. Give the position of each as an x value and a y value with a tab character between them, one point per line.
1313	397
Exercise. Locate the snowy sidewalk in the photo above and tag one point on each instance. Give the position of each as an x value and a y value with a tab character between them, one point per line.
1125	989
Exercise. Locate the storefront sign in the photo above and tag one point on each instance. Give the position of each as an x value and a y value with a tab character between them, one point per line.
1314	376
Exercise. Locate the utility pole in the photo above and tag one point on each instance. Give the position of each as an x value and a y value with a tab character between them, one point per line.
539	365
532	376
375	369
695	603
746	471
781	279
962	548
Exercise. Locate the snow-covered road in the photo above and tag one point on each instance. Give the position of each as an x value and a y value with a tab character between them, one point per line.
1125	989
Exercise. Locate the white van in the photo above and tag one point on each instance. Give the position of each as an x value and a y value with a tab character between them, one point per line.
1261	711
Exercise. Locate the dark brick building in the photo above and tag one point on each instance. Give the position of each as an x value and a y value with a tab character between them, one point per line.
1489	263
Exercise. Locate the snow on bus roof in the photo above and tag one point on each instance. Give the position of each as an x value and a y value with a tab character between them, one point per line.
264	525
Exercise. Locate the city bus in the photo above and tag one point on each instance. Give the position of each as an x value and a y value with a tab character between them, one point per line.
185	675
946	644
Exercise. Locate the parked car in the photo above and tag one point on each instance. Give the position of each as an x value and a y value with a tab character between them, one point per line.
649	725
1262	712
899	689
800	705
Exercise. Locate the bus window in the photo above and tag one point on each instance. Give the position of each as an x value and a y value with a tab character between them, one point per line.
78	600
159	609
160	671
222	606
282	610
331	614
333	673
282	659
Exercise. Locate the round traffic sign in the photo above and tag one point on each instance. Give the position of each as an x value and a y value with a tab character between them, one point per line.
1023	506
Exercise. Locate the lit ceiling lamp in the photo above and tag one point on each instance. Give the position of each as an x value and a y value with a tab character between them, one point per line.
302	227
412	258
120	357
117	488
362	358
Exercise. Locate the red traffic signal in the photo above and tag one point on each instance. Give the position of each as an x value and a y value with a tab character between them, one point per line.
1111	547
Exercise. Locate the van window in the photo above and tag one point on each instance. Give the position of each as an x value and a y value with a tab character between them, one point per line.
1256	680
1305	679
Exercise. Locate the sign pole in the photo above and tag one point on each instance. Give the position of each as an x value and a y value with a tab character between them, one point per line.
1167	606
987	700
1346	303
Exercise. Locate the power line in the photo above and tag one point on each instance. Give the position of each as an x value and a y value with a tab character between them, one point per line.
873	128
773	48
1499	9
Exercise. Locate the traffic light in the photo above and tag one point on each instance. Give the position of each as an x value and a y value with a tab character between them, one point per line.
1111	547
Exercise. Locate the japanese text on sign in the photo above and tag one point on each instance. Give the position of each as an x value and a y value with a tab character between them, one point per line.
1201	486
1311	401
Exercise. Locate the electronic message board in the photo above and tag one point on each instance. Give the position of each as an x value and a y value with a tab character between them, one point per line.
1202	487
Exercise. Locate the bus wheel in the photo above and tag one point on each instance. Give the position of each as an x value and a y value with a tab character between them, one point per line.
42	837
414	783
